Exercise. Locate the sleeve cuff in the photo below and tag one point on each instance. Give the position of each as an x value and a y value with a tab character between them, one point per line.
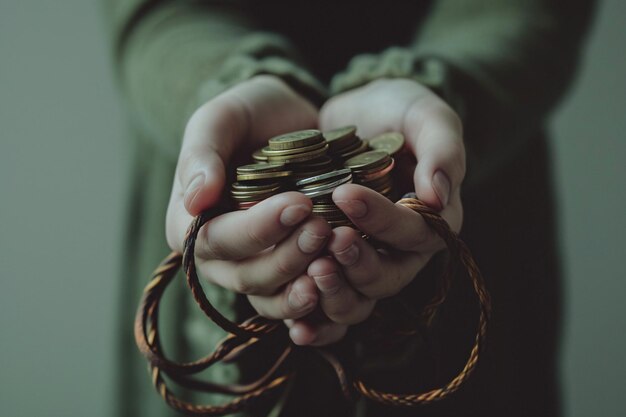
263	54
399	62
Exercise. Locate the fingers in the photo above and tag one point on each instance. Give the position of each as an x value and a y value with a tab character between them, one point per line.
253	110
393	224
315	333
211	135
340	302
375	108
295	300
434	133
263	273
432	129
241	234
370	272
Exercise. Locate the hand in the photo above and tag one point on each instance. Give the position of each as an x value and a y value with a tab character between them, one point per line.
357	274
264	251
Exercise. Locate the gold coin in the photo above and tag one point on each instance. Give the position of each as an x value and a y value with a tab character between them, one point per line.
301	157
246	205
367	160
247	187
366	176
390	142
324	177
296	139
263	175
347	154
258	156
267	151
378	182
338	223
260	167
238	193
249	198
341	137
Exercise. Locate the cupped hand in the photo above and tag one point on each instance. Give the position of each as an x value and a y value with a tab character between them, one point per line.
262	252
357	274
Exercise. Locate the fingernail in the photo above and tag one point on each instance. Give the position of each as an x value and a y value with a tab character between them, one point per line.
348	256
299	302
194	186
328	284
293	215
441	185
309	242
353	208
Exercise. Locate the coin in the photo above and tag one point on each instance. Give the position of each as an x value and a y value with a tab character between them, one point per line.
367	159
296	139
377	174
313	164
238	193
267	151
248	187
360	147
299	157
263	175
390	142
260	167
326	188
258	156
341	137
323	177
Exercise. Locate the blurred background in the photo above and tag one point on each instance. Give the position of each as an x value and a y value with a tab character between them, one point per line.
63	166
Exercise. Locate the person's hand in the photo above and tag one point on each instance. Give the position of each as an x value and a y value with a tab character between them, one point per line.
264	251
356	275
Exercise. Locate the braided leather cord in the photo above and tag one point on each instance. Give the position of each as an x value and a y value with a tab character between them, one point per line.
258	330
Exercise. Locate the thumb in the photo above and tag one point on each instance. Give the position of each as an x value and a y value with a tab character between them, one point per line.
210	138
436	139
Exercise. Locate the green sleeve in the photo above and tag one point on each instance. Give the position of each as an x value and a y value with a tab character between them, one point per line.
172	56
502	64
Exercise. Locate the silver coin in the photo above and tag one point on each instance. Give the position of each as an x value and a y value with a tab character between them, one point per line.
325	176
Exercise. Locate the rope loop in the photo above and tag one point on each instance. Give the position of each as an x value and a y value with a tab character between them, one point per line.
255	329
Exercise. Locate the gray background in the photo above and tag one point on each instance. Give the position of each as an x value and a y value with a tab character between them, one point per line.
63	166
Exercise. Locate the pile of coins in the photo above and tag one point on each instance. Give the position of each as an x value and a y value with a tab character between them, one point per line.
373	170
315	164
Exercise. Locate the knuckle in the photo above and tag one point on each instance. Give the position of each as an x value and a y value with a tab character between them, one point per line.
342	313
417	241
212	248
287	312
256	239
381	224
245	286
364	282
286	268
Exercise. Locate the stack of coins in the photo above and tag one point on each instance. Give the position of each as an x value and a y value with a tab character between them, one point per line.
372	169
319	189
316	164
343	144
304	152
256	182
